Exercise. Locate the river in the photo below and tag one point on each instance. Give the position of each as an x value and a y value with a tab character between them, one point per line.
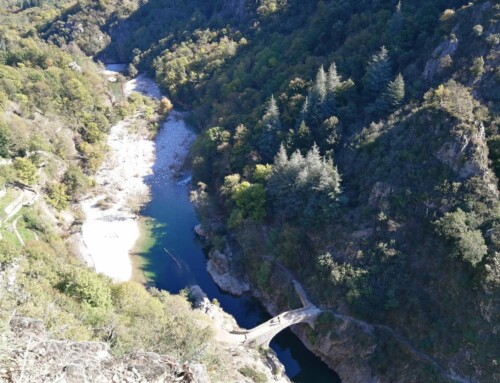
173	218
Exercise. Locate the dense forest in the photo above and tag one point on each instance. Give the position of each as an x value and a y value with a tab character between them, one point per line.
355	143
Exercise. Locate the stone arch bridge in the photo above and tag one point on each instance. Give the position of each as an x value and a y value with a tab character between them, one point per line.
262	335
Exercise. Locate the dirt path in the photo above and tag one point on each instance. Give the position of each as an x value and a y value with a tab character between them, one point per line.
27	197
16	232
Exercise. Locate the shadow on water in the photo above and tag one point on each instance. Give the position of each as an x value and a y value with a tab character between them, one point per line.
176	260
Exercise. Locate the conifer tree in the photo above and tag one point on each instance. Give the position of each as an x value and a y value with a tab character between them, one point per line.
271	117
320	85
392	96
396	91
304	187
333	81
303	138
378	74
271	126
304	112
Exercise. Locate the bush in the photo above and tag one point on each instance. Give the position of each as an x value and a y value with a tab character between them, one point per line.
477	67
4	141
58	196
468	243
86	286
256	376
8	253
76	182
25	171
478	30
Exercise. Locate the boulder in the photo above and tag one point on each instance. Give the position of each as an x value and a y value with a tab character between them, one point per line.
198	229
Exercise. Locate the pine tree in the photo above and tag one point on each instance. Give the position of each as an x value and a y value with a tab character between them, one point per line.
271	117
333	78
378	74
392	96
303	137
304	112
396	23
271	127
320	85
304	187
396	91
333	81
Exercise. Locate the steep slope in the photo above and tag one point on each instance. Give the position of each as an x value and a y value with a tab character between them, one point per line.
56	109
388	212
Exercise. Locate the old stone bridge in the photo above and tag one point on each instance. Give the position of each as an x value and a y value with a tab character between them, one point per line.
262	335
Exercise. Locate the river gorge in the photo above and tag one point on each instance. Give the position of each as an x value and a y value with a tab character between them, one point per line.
174	258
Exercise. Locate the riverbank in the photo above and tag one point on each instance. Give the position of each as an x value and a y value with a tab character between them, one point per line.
165	252
111	228
113	234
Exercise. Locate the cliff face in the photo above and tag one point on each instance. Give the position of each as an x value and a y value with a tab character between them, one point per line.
31	355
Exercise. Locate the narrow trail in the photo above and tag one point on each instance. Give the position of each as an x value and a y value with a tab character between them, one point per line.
16	232
27	197
369	327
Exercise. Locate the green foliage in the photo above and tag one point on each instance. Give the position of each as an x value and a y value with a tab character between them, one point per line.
86	286
4	140
26	171
171	327
75	181
132	70
478	30
454	99
249	200
378	73
262	173
317	122
8	253
182	66
267	7
225	64
477	67
271	127
255	376
305	187
58	196
338	274
468	242
393	96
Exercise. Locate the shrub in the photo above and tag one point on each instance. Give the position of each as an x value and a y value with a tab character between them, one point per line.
86	286
8	253
256	376
4	141
477	67
75	181
58	196
478	30
25	171
468	243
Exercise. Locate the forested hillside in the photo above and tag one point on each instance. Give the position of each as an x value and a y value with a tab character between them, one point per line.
56	110
355	143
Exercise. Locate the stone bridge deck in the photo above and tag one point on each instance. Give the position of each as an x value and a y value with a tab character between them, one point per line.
262	335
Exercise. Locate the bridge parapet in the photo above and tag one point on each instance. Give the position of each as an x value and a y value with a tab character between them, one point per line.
262	335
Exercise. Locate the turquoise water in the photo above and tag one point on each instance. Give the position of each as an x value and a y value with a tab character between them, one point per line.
176	260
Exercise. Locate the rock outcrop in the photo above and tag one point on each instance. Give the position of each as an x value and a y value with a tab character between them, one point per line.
243	358
32	356
219	268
